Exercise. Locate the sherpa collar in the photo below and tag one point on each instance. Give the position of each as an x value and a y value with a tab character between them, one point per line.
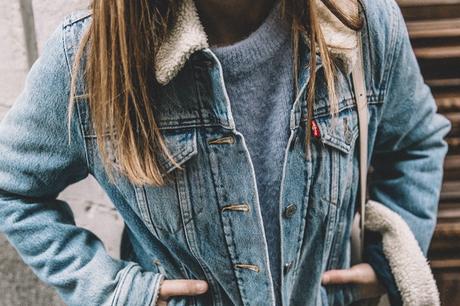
188	36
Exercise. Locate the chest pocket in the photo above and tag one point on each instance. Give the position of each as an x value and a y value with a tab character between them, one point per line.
337	142
182	146
162	208
334	162
341	132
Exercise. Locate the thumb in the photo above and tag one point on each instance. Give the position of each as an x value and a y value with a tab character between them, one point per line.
183	287
341	276
360	273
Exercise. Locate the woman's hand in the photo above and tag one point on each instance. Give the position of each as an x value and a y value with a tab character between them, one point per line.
362	275
170	288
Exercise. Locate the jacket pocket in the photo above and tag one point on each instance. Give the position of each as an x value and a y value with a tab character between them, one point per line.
162	207
339	132
334	163
334	157
182	145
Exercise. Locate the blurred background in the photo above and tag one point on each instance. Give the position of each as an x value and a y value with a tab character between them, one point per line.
24	27
434	26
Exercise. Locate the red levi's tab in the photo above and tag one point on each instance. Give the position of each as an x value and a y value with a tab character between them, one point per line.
315	129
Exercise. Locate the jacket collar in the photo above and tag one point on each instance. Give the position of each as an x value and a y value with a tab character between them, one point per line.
188	36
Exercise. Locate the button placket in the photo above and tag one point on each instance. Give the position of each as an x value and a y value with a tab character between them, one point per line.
240	211
241	218
292	202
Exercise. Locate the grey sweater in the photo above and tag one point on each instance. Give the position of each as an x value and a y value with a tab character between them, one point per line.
258	79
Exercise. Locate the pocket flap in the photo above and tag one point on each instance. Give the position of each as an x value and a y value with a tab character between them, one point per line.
340	132
182	146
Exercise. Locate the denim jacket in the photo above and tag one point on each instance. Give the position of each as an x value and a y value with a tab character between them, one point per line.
206	223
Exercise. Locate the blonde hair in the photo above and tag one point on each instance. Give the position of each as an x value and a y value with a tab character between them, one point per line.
121	88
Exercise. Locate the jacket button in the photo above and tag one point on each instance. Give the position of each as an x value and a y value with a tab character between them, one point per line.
290	210
287	267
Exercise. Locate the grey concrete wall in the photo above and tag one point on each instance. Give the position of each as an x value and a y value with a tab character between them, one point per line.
91	207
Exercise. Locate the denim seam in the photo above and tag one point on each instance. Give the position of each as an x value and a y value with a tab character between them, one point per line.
366	31
139	192
235	263
332	140
191	242
330	233
259	215
335	158
157	228
385	87
234	256
159	277
183	154
68	22
190	122
333	257
305	206
228	110
198	93
63	35
124	273
322	111
292	137
186	214
217	199
395	45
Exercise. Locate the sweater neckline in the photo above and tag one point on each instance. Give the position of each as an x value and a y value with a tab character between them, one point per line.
258	47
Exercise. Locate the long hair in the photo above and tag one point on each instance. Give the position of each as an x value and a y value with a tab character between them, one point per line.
121	43
302	15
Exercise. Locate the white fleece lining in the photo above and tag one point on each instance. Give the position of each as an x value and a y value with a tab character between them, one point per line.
185	38
408	264
342	41
189	36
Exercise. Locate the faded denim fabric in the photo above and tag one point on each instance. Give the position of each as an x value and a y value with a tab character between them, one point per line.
206	224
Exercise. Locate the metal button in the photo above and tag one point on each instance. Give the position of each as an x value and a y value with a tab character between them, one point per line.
229	139
252	267
236	207
287	267
348	136
290	210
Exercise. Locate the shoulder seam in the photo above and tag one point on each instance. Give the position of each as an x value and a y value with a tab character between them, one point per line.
69	65
68	21
395	45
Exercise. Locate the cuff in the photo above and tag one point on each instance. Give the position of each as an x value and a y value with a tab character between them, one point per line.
373	255
138	287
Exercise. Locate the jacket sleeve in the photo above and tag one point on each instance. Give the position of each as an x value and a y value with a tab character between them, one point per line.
36	164
409	150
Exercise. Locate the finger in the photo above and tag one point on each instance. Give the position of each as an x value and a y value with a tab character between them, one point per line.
362	273
183	287
341	276
365	274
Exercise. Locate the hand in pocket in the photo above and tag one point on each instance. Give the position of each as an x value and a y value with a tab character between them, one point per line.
361	275
180	287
